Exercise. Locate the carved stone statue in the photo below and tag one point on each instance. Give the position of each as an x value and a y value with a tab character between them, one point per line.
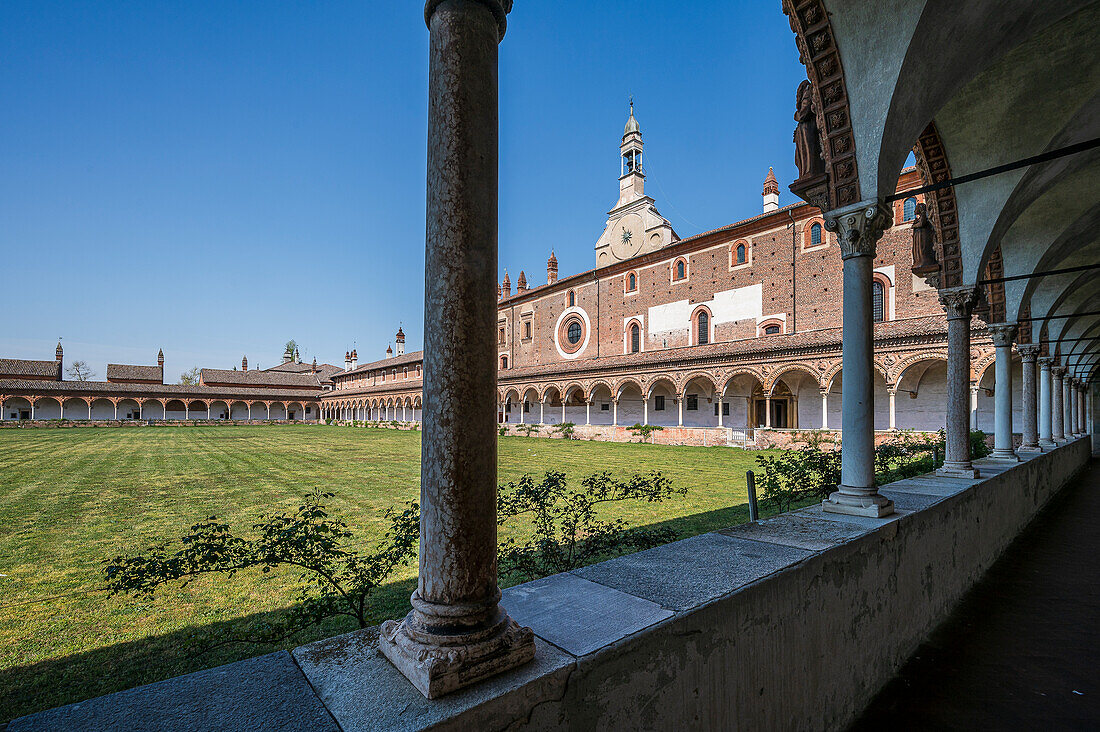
807	143
924	254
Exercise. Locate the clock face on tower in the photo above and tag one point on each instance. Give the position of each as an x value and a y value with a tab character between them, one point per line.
627	236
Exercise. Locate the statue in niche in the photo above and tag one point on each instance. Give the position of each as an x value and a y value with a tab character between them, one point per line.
807	143
924	253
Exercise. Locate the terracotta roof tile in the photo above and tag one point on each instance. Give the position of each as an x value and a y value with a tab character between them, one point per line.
14	368
125	372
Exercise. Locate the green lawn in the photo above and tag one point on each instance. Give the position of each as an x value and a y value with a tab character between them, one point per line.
72	498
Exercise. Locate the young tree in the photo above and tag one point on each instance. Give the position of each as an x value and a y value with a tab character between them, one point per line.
291	345
80	371
334	577
567	532
191	377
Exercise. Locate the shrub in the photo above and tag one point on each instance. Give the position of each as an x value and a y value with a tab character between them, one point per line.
978	446
795	475
334	578
566	430
567	533
644	430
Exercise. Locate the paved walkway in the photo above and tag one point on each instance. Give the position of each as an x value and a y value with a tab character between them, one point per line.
1022	651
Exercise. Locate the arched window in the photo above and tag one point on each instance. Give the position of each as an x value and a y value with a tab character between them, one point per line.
878	301
504	362
740	253
635	338
771	330
573	332
815	235
704	328
680	271
909	209
572	298
631	282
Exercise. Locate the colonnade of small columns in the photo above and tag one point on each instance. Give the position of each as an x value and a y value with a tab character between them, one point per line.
405	410
165	403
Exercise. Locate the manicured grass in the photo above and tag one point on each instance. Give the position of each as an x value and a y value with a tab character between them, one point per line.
72	498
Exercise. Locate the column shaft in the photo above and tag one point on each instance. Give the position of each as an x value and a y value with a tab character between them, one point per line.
824	409
1044	403
457	632
1028	355
958	302
858	228
1003	335
1057	421
1067	406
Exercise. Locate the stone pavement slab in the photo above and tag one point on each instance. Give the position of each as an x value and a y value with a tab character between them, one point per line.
577	615
365	692
865	522
688	573
930	485
797	530
263	693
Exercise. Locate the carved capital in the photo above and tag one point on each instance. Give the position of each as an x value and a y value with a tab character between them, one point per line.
1057	371
1002	334
959	302
858	227
1028	352
499	9
1046	361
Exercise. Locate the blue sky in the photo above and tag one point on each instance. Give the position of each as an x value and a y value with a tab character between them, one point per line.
216	178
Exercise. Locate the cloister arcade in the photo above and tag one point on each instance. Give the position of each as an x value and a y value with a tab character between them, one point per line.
100	408
402	408
909	395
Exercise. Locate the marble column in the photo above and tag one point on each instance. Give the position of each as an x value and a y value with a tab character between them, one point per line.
824	409
893	393
974	389
1076	399
858	228
1067	405
1028	355
680	410
958	303
615	412
1003	335
457	633
1058	402
1045	433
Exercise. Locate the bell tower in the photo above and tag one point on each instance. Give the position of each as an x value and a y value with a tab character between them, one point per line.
634	226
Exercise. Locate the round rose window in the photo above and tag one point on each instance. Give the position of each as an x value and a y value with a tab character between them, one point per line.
574	332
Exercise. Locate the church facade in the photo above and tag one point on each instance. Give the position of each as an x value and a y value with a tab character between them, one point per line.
731	330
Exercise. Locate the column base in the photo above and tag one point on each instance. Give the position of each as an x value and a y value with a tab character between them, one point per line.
1046	444
1030	449
439	664
958	470
873	504
1004	455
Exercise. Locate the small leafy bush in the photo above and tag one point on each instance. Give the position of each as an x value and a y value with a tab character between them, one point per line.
567	532
566	430
334	578
644	430
796	475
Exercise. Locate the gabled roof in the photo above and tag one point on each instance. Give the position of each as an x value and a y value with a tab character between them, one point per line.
388	363
124	372
279	379
18	368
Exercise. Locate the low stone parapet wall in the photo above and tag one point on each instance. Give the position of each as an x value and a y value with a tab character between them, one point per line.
794	622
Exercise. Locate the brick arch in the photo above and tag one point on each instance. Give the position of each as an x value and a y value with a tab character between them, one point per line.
618	388
979	366
769	386
903	365
693	334
417	403
574	385
546	389
510	391
687	379
742	371
674	387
